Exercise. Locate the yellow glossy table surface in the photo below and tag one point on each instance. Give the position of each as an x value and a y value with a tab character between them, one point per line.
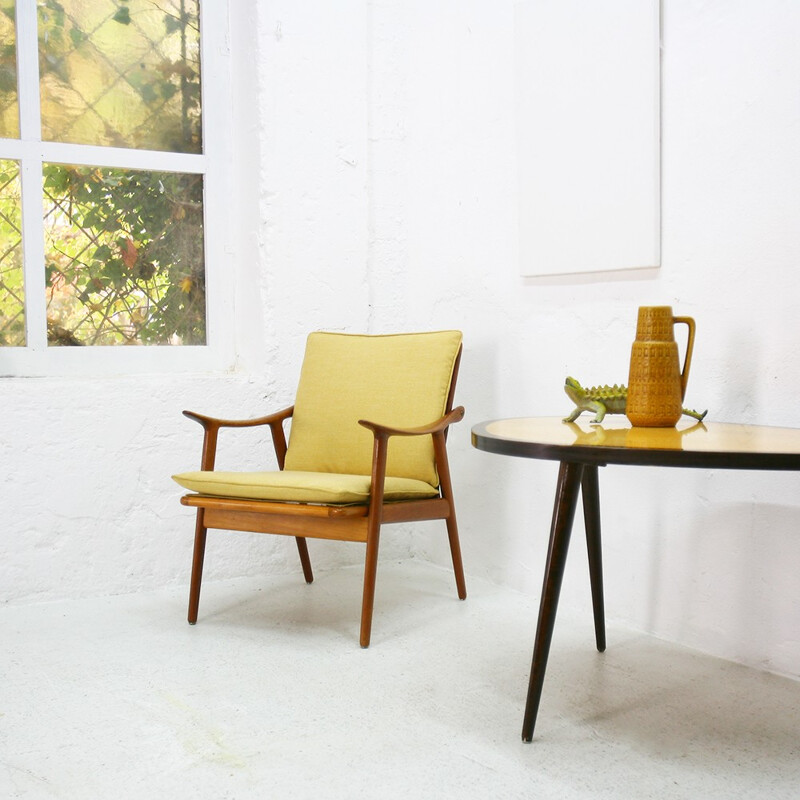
615	441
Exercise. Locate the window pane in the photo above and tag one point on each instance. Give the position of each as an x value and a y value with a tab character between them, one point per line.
12	313
124	256
122	75
9	104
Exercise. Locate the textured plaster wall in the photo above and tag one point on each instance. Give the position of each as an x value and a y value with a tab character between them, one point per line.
376	190
90	508
706	558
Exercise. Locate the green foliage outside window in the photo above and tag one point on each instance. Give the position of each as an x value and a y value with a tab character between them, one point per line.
124	248
125	74
124	256
9	111
12	307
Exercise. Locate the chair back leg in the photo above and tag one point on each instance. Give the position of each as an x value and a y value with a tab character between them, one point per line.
443	468
455	553
305	561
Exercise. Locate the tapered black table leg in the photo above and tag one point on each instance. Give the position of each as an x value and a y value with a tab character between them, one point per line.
591	515
569	483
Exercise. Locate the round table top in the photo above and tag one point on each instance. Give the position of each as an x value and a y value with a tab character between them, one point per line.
615	441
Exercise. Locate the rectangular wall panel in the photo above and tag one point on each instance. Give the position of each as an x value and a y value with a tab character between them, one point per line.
588	134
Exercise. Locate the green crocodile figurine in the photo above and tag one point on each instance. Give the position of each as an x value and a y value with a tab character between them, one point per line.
604	400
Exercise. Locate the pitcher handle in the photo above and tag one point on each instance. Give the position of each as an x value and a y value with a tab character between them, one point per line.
687	360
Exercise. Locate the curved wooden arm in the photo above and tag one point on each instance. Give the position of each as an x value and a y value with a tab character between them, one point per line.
207	422
456	415
380	448
212	425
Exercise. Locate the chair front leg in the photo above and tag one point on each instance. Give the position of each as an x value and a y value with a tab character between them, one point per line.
373	535
210	434
200	532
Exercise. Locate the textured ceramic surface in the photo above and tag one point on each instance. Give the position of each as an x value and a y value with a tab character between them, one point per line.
656	381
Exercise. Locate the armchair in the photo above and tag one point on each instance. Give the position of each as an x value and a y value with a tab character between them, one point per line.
367	447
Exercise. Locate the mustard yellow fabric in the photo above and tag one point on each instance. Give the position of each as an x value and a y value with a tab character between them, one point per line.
400	380
302	487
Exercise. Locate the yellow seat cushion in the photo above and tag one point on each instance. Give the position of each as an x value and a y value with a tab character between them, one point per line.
400	380
302	487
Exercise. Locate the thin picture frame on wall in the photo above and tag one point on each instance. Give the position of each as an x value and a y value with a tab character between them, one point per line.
588	135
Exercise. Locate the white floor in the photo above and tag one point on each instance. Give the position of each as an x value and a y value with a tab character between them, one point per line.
270	696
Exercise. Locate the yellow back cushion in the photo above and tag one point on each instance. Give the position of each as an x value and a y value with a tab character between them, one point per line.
401	380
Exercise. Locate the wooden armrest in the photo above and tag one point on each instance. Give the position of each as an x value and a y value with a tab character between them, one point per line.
212	425
213	422
381	434
456	415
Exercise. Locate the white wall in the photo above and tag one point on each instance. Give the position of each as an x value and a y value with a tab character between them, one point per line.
707	558
377	191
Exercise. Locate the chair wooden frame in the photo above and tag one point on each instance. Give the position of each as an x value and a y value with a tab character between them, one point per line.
352	523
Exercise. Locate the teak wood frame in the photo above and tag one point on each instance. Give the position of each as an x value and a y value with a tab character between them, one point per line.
350	523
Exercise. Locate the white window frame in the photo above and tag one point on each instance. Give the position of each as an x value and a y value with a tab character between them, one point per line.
36	358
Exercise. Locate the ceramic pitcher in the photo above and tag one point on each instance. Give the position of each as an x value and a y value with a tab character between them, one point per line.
656	382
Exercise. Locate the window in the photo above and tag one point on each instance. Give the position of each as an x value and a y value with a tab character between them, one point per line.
105	167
